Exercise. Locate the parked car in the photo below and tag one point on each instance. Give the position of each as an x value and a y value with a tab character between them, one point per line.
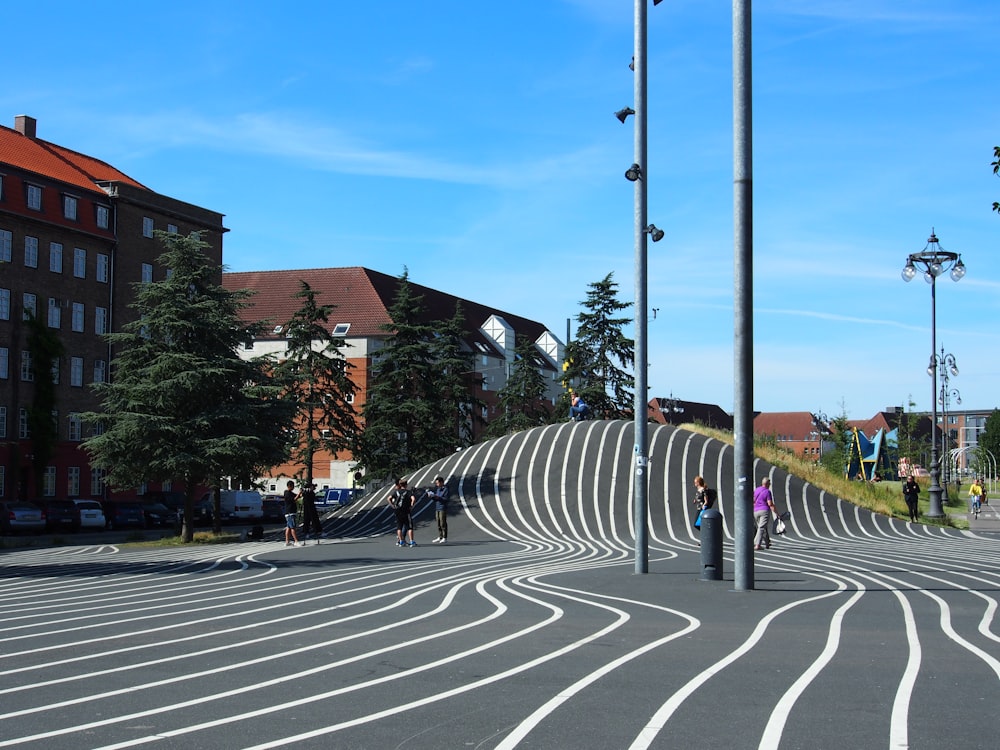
17	516
158	515
60	515
124	515
90	513
238	505
203	510
274	510
335	497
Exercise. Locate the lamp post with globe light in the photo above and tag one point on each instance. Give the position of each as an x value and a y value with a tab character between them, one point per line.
933	260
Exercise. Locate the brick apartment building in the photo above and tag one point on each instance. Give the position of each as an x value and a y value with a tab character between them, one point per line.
75	234
362	298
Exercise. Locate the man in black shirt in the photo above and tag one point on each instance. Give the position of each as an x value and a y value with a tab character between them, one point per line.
401	499
291	510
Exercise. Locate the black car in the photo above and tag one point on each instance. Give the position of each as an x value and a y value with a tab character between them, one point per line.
158	515
60	515
174	501
124	515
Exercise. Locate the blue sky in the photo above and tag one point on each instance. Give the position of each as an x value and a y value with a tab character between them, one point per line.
476	145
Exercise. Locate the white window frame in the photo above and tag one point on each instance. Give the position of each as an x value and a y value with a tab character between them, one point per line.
56	257
27	376
100	320
29	304
6	243
30	251
79	312
75	428
97	482
34	197
73	481
100	371
23	431
54	318
76	372
4	304
69	207
79	262
49	482
146	274
3	424
103	265
4	363
147	226
103	216
171	229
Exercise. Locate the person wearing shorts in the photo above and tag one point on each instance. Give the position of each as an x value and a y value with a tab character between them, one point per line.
291	511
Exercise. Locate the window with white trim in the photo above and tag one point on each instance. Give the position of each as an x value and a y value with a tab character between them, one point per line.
4	304
27	375
6	241
29	306
97	482
34	197
55	312
78	311
103	264
4	363
147	226
100	320
73	481
49	482
103	216
100	370
76	372
23	432
31	252
75	427
147	273
79	262
171	229
69	207
55	257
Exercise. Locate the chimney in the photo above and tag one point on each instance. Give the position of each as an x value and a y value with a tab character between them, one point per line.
25	125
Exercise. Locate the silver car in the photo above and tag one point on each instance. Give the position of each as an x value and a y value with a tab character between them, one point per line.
91	514
18	516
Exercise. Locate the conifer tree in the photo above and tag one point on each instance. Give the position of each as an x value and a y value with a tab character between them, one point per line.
521	400
599	359
316	382
181	404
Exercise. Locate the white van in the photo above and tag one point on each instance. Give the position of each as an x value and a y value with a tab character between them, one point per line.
238	505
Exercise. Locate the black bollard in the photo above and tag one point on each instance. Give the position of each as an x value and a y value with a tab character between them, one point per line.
711	545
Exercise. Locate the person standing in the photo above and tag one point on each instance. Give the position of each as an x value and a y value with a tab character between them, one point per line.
704	498
291	510
401	499
441	495
911	494
763	507
310	516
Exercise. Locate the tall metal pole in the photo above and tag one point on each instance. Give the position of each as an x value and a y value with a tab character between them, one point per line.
742	296
934	509
641	353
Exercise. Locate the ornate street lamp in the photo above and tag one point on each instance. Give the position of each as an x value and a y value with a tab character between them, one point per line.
934	261
946	364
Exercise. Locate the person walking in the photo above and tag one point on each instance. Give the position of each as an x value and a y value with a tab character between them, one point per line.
763	507
401	499
911	494
704	498
291	511
310	516
441	495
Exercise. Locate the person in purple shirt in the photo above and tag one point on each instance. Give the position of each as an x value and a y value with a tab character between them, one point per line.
763	507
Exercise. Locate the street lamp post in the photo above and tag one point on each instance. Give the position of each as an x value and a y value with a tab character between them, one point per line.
934	261
670	407
946	364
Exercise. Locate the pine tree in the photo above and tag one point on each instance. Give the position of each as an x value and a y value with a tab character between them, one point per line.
522	399
316	382
181	403
599	359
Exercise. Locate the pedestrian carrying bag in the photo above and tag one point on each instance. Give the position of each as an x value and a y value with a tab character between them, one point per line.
697	521
779	526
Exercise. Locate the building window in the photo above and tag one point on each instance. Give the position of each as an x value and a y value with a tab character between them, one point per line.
341	329
55	257
79	262
171	229
27	374
3	421
23	432
30	304
100	370
31	252
102	268
69	207
4	304
6	238
147	226
49	481
103	215
75	427
55	313
2	480
55	372
97	482
100	320
4	363
147	273
73	481
76	371
77	317
34	198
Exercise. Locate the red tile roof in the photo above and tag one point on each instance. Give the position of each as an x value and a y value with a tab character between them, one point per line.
793	425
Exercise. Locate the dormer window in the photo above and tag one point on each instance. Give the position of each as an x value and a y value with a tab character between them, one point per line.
34	197
69	207
103	217
277	330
